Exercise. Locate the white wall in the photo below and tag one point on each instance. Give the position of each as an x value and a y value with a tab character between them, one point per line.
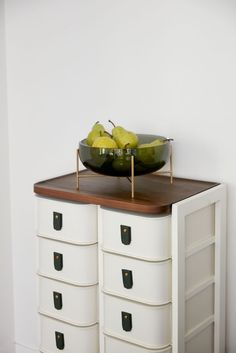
153	66
6	286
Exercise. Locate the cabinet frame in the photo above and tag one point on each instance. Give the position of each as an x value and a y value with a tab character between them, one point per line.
180	210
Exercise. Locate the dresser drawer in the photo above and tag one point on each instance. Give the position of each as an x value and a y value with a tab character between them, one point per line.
73	304
113	345
148	282
145	237
57	336
144	325
67	221
75	264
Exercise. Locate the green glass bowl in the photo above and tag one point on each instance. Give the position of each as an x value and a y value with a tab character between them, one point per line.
117	161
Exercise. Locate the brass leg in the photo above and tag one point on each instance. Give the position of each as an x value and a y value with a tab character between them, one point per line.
171	166
132	177
77	169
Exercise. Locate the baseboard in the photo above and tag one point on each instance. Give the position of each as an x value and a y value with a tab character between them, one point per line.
22	348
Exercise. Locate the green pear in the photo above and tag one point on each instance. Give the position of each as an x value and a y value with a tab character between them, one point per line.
122	164
97	131
144	145
124	138
157	142
104	142
148	154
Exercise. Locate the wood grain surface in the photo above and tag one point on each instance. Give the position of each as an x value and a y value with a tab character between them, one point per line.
154	194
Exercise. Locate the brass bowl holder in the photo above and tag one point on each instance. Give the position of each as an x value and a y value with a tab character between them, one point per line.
131	178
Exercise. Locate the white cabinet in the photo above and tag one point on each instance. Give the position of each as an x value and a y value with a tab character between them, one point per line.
112	280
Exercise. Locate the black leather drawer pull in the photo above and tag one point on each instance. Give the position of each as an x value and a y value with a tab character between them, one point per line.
57	299
125	232
127	278
57	220
58	261
126	321
60	343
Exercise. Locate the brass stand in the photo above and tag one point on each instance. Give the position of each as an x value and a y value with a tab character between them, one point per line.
131	179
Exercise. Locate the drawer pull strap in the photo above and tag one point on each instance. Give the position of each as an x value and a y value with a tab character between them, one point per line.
57	299
59	340
58	261
126	321
125	232
127	278
57	220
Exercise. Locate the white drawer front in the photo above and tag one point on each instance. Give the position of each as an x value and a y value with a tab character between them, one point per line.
67	221
148	282
148	326
146	237
73	304
79	263
113	345
70	339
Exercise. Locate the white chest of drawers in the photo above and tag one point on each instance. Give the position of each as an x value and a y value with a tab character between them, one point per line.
131	276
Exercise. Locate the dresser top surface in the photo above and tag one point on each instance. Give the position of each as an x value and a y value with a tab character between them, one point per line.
153	194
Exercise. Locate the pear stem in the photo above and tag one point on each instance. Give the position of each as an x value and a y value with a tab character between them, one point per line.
111	122
108	133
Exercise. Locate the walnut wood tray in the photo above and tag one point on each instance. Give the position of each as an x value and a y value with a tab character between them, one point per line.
154	194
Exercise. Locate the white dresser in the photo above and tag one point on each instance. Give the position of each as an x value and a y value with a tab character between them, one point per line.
131	276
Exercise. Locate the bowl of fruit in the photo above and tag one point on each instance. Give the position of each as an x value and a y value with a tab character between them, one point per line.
111	153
